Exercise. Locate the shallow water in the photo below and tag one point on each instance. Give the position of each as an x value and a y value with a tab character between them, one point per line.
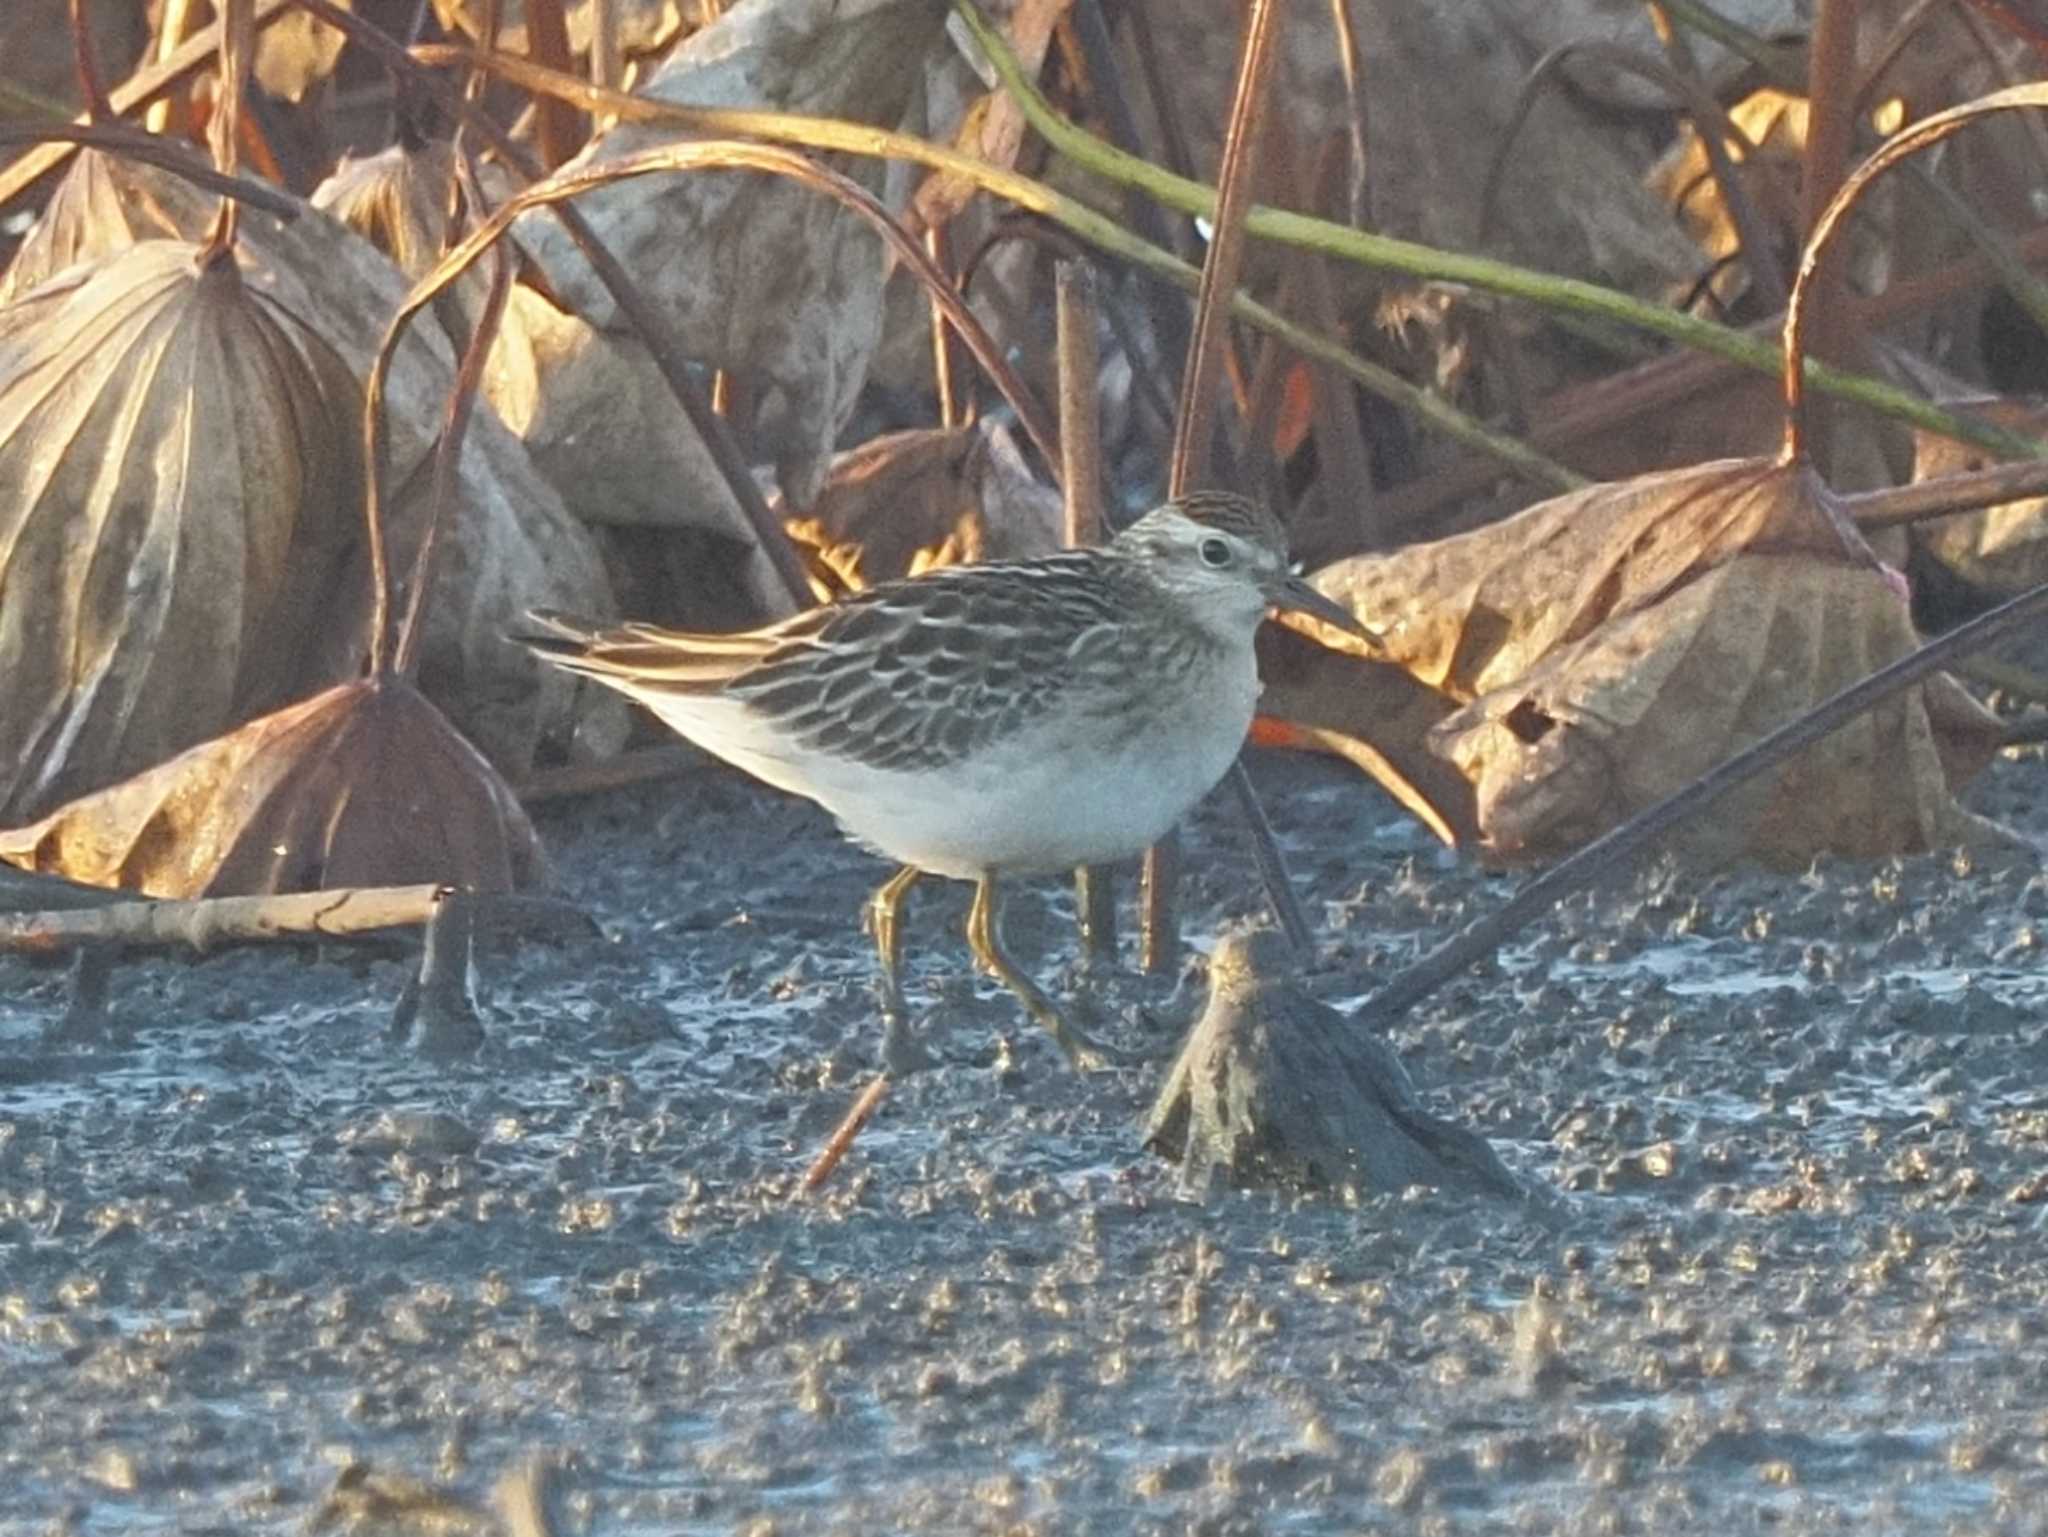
1791	1279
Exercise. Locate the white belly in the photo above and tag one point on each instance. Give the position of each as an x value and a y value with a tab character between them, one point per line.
1061	794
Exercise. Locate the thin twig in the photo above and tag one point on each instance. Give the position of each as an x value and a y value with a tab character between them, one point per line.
469	377
1358	124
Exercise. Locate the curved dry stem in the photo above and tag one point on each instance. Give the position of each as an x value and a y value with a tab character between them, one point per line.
469	378
1709	122
1908	141
858	138
166	154
1035	197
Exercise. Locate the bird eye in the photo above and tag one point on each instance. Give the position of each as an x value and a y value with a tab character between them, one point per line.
1215	553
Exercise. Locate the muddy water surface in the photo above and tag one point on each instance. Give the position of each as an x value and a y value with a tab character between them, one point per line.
258	1264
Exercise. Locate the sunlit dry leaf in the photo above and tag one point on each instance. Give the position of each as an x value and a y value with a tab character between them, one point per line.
365	784
1610	724
907	502
174	490
763	277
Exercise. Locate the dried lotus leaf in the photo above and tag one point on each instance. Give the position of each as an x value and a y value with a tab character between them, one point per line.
1621	718
365	784
103	204
172	493
1475	611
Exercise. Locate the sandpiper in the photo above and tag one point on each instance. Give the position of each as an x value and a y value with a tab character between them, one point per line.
1009	718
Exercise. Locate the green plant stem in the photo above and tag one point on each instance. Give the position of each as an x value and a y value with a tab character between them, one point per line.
1421	261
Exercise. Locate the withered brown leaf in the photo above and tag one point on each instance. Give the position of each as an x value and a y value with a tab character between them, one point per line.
364	784
1613	644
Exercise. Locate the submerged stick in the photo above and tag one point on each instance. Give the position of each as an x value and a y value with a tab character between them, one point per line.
841	1140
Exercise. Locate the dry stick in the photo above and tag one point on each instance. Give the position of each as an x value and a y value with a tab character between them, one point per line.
842	1137
1194	437
1616	849
660	335
1080	381
115	138
1947	496
469	378
237	45
944	370
557	126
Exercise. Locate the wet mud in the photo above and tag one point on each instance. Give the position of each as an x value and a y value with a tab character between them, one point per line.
263	1270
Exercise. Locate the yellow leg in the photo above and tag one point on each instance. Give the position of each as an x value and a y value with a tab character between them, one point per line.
901	1054
986	943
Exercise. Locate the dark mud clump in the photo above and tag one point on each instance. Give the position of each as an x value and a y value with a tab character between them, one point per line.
1791	1281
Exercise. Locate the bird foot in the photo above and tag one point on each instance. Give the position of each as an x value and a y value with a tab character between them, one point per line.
902	1052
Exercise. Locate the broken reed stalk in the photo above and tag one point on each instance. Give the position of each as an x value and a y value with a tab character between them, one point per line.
1615	850
1075	312
1192	466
